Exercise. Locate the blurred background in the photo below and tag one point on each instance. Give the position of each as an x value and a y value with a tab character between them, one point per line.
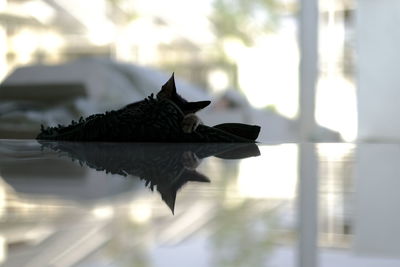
304	70
62	59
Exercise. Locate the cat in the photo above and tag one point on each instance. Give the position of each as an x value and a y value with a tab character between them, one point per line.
190	121
168	117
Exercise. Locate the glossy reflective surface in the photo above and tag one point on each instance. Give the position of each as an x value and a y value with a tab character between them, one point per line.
69	204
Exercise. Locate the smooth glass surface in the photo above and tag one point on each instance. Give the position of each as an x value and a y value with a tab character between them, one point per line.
192	205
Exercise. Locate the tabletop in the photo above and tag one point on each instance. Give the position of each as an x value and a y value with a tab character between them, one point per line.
116	204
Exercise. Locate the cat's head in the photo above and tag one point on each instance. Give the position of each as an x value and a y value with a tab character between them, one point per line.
168	91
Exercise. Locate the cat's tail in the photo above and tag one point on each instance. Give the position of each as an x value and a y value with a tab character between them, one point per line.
246	131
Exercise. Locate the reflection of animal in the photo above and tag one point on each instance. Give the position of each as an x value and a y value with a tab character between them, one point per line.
164	167
168	91
166	118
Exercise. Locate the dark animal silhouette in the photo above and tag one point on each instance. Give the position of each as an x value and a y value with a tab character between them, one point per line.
166	118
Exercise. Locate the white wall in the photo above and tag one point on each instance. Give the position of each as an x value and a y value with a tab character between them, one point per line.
378	60
376	202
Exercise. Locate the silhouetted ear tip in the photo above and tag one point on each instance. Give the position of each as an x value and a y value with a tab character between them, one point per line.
172	78
169	87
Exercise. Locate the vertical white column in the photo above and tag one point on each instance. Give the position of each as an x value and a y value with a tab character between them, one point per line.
308	42
307	206
308	178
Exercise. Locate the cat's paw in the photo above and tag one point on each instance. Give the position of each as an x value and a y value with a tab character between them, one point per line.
190	123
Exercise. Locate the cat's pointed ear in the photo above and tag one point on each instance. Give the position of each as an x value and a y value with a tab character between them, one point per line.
193	107
168	89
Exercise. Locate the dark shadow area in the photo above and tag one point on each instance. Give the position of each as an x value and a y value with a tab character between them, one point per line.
165	167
